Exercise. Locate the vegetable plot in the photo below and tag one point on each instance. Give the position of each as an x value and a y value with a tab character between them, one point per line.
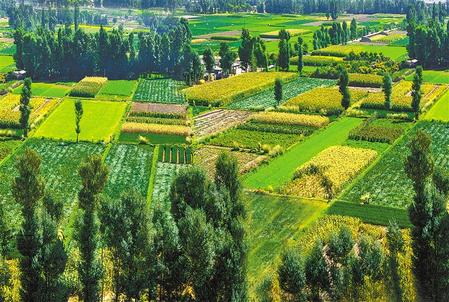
159	91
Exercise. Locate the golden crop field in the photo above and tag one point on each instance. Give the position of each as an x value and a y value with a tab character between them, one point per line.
223	92
339	164
325	100
131	127
284	118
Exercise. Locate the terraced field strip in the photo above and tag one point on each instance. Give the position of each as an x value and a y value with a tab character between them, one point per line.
218	121
281	169
439	111
274	221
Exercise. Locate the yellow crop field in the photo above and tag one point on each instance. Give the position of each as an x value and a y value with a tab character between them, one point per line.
325	100
339	164
284	118
131	127
223	92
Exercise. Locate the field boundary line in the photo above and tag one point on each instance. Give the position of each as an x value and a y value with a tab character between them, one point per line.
13	152
153	171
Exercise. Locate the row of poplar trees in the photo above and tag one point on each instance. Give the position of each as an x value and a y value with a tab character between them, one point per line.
192	250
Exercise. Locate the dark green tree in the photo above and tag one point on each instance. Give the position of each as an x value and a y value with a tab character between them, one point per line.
28	190
25	108
300	56
343	83
353	29
125	225
278	91
416	91
227	58
292	278
284	50
93	175
52	255
387	87
78	115
395	243
316	271
246	49
209	60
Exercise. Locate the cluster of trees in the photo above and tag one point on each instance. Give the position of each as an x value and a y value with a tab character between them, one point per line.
428	35
338	33
192	251
69	54
336	268
28	17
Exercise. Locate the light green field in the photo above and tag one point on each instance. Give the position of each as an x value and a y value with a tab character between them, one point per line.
99	122
280	170
272	222
433	76
394	52
439	111
7	63
51	90
117	89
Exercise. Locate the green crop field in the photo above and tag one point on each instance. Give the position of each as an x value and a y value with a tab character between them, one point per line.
370	213
165	174
433	76
439	111
7	146
394	52
273	221
159	91
117	88
152	138
386	183
7	63
50	90
99	122
130	167
291	89
60	164
280	170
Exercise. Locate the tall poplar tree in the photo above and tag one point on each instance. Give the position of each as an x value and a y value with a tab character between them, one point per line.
416	91
93	175
387	87
25	108
343	83
28	190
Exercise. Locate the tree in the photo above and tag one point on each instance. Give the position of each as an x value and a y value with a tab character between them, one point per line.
292	278
93	175
353	29
28	190
283	58
78	116
430	221
343	83
387	87
395	243
316	271
125	225
246	49
278	91
416	91
300	56
25	108
227	58
209	60
52	255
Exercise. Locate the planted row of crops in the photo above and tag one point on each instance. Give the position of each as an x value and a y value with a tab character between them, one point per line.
175	154
223	92
88	87
159	91
130	167
326	174
401	97
218	121
165	174
326	101
381	131
386	183
291	89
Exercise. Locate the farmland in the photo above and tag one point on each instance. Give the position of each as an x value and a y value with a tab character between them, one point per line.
159	91
440	111
118	88
50	90
88	87
266	98
99	123
165	173
389	172
394	52
129	166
